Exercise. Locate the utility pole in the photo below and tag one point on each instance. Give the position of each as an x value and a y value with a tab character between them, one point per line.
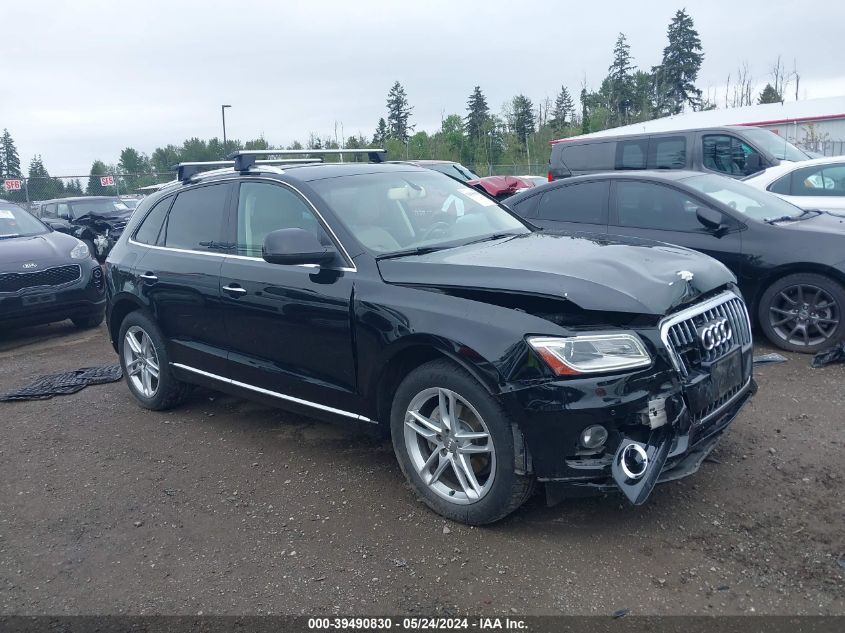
223	114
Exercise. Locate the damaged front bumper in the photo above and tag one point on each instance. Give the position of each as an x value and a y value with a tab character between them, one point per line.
653	435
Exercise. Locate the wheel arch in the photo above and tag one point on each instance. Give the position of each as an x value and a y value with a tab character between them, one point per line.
791	269
406	356
118	311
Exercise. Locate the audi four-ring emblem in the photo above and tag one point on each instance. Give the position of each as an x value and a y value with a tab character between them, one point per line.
714	333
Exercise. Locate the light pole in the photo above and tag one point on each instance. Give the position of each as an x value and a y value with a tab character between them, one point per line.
223	114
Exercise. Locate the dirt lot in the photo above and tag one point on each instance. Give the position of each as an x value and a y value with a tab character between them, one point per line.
224	506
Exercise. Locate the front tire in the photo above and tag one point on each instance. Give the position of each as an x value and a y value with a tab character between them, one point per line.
803	312
455	445
146	365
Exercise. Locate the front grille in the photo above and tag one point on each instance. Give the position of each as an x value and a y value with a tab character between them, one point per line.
680	332
14	282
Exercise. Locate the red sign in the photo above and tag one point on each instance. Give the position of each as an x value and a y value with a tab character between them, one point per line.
106	181
12	185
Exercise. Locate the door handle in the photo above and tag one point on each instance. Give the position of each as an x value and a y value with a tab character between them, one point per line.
149	277
233	290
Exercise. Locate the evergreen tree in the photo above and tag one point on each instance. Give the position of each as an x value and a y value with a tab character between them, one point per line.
642	97
674	79
585	114
477	114
10	162
521	119
563	110
380	135
94	188
770	95
41	185
620	81
398	114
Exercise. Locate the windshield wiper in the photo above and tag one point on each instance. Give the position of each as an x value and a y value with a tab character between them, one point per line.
490	238
8	237
419	250
791	218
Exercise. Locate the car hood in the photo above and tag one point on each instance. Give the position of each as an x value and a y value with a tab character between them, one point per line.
47	248
596	272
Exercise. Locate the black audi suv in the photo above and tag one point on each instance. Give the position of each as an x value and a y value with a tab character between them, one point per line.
495	356
46	276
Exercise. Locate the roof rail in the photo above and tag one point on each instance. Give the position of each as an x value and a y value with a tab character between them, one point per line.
246	157
186	171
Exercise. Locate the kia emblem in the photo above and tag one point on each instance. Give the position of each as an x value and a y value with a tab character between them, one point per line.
30	265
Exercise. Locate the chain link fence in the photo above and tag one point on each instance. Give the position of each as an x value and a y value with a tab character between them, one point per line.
825	148
29	192
514	169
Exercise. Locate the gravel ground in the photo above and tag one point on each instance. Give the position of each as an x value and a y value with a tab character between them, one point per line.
227	507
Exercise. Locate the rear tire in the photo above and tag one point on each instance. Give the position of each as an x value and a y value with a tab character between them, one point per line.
463	470
146	365
803	312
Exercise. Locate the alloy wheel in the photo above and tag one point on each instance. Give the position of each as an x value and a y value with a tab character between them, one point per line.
141	361
804	315
450	445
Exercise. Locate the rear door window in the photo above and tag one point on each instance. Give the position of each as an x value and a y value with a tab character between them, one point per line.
583	203
631	154
729	155
197	220
668	152
819	180
646	205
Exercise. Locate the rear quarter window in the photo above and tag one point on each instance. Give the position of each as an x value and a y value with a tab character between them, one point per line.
597	156
668	152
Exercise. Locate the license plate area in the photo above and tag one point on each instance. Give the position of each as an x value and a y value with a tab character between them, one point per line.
725	377
34	300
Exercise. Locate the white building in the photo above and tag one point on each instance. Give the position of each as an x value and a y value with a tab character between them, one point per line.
813	124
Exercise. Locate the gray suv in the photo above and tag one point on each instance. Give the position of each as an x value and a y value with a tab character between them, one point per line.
735	151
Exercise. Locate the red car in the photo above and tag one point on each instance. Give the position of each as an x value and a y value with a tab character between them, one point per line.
498	187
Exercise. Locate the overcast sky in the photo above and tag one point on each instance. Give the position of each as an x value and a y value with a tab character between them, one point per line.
82	80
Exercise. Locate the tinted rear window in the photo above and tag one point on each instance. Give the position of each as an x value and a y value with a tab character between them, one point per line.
588	156
197	218
669	152
585	202
151	226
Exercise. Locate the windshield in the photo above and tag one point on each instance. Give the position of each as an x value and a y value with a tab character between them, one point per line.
776	145
749	201
395	211
15	222
98	207
453	169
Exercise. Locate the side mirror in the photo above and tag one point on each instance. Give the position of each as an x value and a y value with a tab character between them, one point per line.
711	219
293	247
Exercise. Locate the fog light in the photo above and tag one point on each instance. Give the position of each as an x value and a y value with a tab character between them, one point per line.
593	436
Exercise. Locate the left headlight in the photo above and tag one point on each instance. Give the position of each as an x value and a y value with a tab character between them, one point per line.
80	251
591	353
